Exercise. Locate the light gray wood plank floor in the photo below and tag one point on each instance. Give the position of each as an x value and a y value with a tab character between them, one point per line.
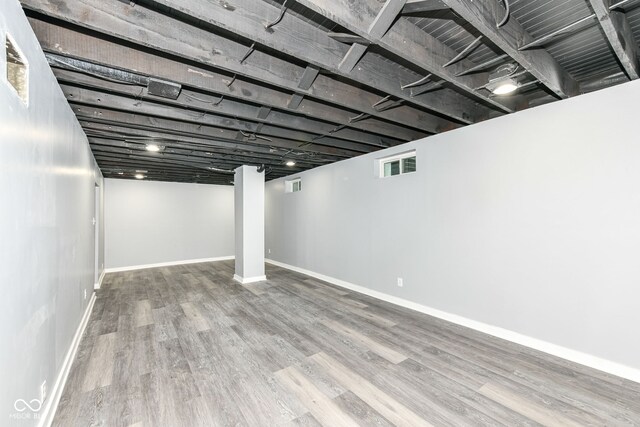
188	346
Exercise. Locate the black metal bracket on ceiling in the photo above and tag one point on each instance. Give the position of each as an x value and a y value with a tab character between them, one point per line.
506	14
283	9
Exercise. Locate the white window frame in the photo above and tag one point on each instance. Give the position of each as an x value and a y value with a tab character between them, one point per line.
290	184
384	160
23	57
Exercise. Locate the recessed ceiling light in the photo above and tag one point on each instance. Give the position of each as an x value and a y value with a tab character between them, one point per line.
153	148
290	163
139	176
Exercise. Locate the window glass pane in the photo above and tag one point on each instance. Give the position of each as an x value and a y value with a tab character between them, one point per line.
387	169
409	164
392	168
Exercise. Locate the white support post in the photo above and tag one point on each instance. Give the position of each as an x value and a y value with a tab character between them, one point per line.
249	224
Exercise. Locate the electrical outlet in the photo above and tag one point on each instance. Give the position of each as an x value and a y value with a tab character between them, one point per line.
400	282
43	391
269	250
85	294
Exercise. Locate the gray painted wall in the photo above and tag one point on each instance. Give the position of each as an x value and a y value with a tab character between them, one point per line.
529	222
150	222
47	177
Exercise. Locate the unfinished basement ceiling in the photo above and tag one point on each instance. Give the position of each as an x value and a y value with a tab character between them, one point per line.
218	84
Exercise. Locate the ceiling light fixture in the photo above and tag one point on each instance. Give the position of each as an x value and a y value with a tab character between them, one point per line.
290	163
153	148
505	87
139	176
501	82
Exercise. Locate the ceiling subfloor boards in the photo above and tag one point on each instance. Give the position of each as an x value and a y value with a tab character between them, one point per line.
216	85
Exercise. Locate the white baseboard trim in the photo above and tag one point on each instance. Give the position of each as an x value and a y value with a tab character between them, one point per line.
166	264
51	404
575	356
245	280
96	286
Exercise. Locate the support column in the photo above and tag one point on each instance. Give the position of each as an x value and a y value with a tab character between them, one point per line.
249	225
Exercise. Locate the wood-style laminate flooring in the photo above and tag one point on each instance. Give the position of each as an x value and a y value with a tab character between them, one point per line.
188	346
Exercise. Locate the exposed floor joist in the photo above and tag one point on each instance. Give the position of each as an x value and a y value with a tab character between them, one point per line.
330	100
484	16
616	28
304	41
317	80
406	41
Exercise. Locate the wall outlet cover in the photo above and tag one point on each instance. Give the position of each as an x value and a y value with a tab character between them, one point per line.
400	282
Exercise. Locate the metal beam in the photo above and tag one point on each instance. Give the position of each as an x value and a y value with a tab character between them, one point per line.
409	42
616	28
402	123
484	15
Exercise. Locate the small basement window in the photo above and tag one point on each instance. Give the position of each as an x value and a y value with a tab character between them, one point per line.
293	185
17	70
398	164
